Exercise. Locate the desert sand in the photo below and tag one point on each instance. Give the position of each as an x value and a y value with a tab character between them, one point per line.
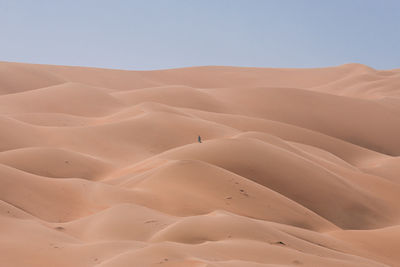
101	167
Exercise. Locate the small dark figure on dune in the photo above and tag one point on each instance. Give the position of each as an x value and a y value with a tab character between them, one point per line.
199	139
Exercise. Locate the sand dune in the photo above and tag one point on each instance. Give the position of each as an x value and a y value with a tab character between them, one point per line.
100	167
50	162
67	98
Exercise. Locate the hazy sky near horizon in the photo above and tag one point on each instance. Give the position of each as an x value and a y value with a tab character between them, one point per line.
157	34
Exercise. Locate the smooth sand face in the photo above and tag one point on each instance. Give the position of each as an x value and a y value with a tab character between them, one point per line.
298	167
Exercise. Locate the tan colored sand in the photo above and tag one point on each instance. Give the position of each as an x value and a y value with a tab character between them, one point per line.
298	167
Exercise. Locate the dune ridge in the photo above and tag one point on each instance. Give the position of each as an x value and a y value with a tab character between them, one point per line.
101	167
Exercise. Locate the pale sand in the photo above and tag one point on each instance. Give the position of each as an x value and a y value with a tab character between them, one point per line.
298	167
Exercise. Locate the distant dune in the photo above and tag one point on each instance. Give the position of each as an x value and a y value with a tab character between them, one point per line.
101	167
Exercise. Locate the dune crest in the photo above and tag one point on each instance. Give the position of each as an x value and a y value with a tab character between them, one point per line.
101	167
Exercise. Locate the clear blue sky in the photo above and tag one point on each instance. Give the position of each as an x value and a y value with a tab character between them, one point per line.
154	34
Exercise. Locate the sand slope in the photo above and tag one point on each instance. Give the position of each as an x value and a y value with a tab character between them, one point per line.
298	167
